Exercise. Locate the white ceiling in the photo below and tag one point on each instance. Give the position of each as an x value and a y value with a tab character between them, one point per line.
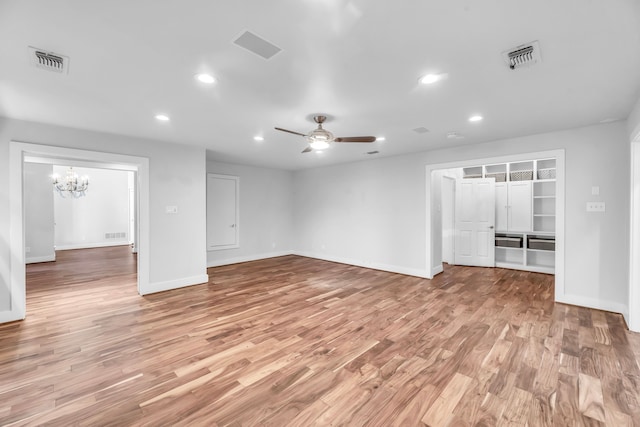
356	60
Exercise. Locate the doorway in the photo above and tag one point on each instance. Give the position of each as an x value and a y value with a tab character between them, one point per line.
433	222
19	152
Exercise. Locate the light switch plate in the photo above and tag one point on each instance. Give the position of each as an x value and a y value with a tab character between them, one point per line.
595	207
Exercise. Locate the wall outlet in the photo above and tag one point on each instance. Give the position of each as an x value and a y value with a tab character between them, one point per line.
595	207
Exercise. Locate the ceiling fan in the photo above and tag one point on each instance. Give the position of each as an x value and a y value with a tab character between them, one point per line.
320	138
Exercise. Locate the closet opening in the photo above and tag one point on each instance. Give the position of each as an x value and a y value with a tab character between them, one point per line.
505	212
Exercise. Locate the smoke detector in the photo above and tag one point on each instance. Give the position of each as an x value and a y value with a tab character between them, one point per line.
524	55
48	60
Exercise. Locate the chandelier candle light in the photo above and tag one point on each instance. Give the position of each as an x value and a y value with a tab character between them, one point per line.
71	184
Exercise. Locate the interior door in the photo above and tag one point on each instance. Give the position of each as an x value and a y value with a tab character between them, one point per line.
475	222
222	212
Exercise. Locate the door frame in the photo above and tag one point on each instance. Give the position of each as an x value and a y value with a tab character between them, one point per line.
432	237
451	209
633	314
17	153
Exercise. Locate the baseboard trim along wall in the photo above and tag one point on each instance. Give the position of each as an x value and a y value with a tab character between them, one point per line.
37	259
255	257
437	270
375	266
92	245
598	304
152	288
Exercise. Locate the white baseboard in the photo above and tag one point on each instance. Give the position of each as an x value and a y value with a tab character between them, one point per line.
255	257
598	304
36	259
92	245
10	316
375	266
436	270
175	284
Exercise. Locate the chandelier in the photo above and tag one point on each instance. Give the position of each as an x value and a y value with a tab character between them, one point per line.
70	184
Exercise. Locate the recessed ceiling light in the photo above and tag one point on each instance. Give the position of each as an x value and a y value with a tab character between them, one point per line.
162	117
475	118
205	78
258	138
380	138
429	79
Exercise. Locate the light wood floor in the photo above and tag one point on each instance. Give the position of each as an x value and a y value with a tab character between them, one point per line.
297	341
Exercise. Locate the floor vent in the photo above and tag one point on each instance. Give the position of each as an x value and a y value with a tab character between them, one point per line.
48	60
523	56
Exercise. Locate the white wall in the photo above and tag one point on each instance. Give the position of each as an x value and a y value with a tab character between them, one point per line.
177	177
266	213
372	213
38	213
368	213
83	222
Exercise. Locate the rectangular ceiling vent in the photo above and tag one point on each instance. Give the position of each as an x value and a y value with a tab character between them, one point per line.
49	60
257	45
524	55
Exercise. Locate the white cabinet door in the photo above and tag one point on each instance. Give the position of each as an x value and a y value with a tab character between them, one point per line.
502	207
520	210
222	212
475	221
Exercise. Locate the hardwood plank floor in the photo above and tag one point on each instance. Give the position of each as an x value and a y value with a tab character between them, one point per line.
302	342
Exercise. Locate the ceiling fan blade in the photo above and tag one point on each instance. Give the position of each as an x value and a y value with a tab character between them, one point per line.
355	139
307	150
291	131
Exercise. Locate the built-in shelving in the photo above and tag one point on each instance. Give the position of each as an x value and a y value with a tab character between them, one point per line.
539	207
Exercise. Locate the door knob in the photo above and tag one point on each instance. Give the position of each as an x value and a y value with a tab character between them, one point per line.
491	227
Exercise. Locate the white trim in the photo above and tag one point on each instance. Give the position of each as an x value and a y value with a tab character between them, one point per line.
17	152
372	265
176	284
597	303
256	257
37	259
632	312
92	245
437	270
237	223
559	155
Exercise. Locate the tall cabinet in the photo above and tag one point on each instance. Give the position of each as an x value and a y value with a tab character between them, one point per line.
525	213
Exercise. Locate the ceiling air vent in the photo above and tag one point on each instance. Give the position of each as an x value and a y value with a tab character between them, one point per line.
49	60
523	56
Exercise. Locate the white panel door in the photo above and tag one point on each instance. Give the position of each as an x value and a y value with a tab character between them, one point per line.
502	207
475	222
520	206
222	211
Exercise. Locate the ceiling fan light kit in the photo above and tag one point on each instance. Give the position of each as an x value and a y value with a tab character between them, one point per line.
320	138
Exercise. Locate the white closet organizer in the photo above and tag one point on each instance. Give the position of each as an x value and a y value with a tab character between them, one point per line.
525	213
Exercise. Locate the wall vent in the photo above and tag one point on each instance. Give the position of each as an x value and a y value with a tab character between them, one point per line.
49	60
524	55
